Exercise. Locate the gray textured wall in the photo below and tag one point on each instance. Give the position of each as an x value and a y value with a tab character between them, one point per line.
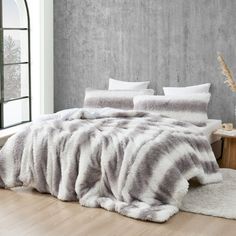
170	42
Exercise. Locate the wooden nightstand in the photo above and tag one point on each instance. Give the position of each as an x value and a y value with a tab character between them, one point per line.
228	159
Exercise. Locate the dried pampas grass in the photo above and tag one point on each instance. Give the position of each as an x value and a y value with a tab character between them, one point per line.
227	73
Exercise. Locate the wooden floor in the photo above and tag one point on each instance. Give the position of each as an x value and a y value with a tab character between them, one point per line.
26	212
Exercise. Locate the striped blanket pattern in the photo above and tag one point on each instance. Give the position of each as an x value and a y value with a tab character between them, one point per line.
131	162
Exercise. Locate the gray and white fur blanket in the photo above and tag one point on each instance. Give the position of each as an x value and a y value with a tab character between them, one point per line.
132	162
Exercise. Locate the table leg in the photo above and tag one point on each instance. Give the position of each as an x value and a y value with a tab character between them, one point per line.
229	154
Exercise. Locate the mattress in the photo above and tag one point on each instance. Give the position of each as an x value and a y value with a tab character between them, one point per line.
208	130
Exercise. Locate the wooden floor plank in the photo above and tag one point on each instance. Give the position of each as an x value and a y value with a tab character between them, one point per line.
26	212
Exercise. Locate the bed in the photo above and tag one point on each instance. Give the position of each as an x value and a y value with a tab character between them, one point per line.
126	151
132	162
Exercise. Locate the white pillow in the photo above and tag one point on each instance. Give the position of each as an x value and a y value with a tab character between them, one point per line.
202	88
191	108
121	99
124	85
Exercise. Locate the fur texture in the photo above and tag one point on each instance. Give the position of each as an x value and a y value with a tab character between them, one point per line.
190	107
217	199
121	99
130	162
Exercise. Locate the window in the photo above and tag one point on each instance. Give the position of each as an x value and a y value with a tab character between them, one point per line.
15	103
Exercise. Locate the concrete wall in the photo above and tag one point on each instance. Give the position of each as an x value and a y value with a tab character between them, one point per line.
169	42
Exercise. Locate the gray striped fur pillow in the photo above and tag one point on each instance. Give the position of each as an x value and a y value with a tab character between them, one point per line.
121	99
191	107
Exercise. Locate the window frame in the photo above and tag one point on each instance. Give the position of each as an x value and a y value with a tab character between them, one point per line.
2	65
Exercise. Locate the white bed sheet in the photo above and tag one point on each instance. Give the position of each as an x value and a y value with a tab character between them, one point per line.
208	130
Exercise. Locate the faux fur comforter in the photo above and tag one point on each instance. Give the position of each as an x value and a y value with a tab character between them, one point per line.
130	162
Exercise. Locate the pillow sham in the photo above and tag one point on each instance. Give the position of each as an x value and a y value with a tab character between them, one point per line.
202	88
122	99
191	108
125	85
